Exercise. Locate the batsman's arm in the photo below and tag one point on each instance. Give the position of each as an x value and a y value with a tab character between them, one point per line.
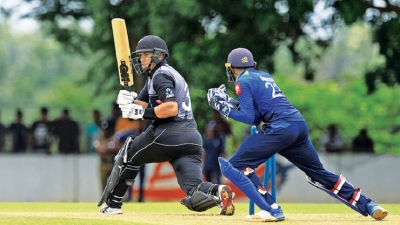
166	110
142	103
162	111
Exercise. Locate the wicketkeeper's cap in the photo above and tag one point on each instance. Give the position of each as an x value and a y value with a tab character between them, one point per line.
240	57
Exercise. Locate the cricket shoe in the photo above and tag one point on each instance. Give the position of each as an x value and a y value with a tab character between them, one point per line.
226	196
375	211
277	213
261	216
108	210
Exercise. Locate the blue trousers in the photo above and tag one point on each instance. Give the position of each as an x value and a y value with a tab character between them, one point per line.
291	140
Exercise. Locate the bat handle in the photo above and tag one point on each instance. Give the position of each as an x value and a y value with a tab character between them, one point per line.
128	88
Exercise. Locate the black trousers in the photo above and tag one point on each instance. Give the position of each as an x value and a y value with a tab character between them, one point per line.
182	147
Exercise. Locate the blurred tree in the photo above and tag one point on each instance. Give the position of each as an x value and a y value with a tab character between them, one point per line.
36	71
199	31
385	22
200	34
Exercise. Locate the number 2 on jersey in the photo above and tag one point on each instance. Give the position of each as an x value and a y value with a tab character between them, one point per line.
276	92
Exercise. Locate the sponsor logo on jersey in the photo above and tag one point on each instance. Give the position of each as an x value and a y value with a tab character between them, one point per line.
169	93
238	90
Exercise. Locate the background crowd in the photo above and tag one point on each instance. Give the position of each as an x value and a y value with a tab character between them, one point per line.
64	135
105	136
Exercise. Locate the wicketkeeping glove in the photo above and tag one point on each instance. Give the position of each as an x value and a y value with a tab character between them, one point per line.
220	106
132	111
220	95
125	97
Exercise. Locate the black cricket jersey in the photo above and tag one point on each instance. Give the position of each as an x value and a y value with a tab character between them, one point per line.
164	83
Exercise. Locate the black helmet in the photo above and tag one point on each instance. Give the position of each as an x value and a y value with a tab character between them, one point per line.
149	43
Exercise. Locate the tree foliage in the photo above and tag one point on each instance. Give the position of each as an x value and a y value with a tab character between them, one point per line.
36	71
200	34
347	106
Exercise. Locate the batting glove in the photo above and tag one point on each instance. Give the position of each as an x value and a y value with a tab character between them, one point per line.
132	111
126	97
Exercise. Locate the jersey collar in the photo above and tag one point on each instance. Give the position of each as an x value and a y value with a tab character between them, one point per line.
162	63
244	72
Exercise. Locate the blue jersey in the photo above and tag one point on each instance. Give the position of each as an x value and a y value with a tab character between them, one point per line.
261	100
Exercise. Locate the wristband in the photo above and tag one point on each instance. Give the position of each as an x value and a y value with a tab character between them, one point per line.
150	114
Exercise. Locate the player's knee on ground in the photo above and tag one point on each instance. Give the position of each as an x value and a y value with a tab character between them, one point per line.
200	201
201	197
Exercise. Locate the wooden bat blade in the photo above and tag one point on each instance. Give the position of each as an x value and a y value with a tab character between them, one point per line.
122	52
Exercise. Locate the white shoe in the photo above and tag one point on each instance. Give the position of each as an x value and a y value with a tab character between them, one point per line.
226	196
261	216
108	210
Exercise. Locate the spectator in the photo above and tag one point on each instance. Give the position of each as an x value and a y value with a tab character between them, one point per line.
39	135
67	131
19	133
3	132
223	128
363	143
105	146
214	147
331	141
111	120
93	130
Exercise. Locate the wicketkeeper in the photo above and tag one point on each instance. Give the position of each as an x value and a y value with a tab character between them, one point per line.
284	131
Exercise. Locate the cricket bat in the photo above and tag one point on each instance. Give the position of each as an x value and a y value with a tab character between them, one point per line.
122	52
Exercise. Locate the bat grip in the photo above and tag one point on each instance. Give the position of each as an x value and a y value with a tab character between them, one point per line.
128	88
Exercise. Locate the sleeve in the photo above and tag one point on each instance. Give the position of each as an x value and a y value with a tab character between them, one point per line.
164	86
143	94
246	113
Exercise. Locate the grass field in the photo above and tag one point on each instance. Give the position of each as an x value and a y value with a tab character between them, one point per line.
172	213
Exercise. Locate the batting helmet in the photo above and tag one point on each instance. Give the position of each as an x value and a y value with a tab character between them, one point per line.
149	43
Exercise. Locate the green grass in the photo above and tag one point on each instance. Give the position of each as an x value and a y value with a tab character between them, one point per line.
172	213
